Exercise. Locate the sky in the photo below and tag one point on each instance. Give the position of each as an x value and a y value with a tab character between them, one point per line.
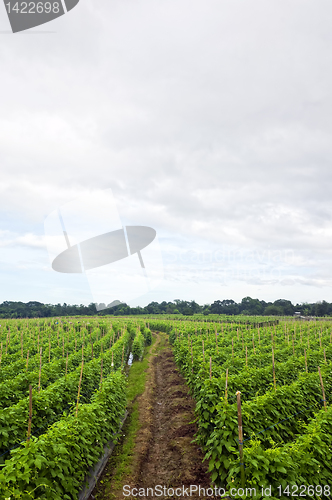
208	121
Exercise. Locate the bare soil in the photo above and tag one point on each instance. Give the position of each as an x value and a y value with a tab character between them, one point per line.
164	453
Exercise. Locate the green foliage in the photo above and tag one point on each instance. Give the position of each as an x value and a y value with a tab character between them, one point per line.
147	335
54	465
138	346
49	404
280	425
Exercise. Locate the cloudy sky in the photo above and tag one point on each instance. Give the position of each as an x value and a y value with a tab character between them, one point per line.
210	121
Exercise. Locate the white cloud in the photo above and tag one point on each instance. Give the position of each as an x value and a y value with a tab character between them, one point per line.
209	120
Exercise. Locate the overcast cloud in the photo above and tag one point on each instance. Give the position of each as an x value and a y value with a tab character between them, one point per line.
210	120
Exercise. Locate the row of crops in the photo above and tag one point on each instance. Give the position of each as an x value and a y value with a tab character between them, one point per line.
286	421
225	318
62	397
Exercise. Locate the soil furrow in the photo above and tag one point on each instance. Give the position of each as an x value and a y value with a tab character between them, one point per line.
163	453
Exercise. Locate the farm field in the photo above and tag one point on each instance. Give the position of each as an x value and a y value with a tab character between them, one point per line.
276	373
286	422
63	394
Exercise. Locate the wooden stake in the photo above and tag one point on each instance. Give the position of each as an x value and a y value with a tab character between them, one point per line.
215	331
27	361
210	367
122	353
80	381
66	365
112	365
305	361
30	415
226	385
246	356
232	348
203	351
239	418
253	343
63	345
274	373
101	372
40	366
322	386
324	355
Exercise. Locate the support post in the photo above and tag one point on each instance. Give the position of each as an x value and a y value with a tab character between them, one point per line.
27	360
239	418
101	373
322	386
274	372
79	384
30	415
40	366
305	361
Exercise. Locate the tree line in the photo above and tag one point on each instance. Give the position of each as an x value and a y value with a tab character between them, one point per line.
247	306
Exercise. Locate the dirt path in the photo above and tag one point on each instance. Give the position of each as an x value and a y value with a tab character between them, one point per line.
171	460
163	453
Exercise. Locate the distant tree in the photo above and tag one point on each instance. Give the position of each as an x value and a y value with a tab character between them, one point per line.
187	311
321	308
273	310
286	306
195	307
253	306
226	306
216	307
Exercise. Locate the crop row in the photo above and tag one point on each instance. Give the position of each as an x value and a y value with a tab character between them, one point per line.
273	417
49	404
11	391
54	465
53	343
